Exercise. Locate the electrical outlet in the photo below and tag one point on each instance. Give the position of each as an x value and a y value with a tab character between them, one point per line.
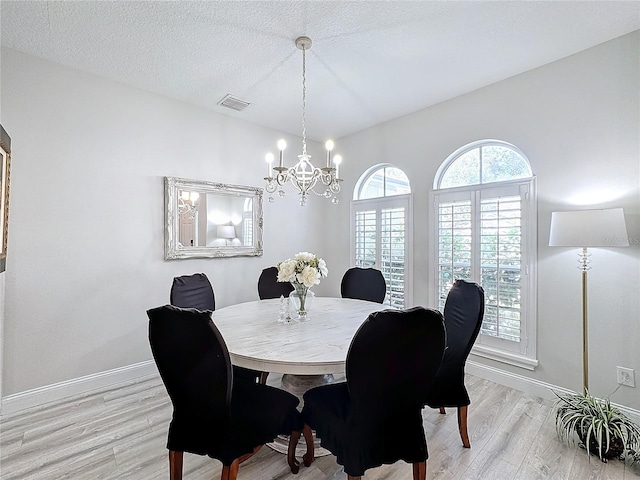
625	376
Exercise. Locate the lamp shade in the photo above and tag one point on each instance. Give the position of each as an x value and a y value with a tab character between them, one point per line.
226	231
588	228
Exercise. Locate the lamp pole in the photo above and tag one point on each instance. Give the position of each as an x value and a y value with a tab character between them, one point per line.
584	259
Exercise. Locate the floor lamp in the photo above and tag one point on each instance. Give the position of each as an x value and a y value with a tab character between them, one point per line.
587	228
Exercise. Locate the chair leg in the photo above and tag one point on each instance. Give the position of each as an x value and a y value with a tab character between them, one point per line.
247	456
291	452
442	410
420	471
175	465
230	472
263	377
462	426
308	457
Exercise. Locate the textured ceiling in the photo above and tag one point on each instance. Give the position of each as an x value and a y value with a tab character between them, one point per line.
370	61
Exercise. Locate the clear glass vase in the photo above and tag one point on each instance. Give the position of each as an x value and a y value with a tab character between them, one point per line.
301	299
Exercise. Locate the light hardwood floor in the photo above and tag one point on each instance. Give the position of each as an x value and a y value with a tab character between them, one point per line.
121	434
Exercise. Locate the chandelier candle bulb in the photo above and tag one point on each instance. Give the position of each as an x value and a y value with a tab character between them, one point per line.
281	146
337	160
329	147
269	159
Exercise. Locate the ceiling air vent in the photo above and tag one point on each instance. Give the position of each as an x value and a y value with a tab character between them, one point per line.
233	103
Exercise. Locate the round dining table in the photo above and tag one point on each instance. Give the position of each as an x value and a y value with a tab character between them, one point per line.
307	352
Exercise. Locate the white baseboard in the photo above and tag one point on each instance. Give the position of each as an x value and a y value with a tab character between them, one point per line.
112	378
530	385
77	386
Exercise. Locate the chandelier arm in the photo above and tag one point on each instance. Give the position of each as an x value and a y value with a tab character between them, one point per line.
271	186
328	176
283	177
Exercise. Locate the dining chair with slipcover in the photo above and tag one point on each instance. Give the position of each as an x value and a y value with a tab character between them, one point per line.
213	414
270	287
192	291
375	417
196	291
363	284
463	314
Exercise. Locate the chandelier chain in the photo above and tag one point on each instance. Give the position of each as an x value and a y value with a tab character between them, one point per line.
304	101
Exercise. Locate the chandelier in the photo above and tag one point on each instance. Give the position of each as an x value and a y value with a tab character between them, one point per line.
188	203
303	175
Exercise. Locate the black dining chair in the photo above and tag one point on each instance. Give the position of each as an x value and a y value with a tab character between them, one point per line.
196	291
463	314
363	284
212	413
193	291
270	287
375	417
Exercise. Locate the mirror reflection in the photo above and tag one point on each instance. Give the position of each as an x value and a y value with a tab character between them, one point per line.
206	219
214	220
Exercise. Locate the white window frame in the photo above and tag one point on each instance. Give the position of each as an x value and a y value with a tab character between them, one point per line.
524	353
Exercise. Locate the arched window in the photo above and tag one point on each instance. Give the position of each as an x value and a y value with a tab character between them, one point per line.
381	231
483	162
485	232
382	181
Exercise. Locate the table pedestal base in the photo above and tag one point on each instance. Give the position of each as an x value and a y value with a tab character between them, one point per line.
297	385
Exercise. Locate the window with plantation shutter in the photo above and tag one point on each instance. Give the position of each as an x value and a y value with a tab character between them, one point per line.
380	229
247	222
485	232
500	250
392	253
365	238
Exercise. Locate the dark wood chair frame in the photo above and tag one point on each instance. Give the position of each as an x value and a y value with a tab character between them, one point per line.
230	472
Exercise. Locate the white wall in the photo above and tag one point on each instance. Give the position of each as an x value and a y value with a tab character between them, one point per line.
86	218
577	121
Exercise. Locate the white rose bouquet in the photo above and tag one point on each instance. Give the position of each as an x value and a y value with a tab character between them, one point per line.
303	271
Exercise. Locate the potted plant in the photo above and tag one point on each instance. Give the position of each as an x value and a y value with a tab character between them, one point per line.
602	428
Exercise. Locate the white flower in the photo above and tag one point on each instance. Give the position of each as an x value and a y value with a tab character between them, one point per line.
287	271
309	276
305	257
323	267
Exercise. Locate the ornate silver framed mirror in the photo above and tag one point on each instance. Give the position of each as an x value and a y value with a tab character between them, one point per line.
208	220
